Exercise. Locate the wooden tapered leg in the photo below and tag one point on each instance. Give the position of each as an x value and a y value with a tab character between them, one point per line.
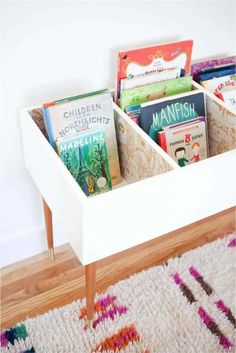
90	278
49	229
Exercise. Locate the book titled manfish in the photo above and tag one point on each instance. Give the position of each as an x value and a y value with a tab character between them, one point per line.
75	114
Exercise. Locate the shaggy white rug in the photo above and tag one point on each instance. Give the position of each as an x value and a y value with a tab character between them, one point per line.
184	306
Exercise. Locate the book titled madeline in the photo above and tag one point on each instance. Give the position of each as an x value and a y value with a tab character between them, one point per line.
158	114
85	156
75	114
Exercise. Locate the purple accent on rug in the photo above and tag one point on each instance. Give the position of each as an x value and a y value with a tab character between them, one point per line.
213	327
232	243
184	289
226	310
198	277
4	340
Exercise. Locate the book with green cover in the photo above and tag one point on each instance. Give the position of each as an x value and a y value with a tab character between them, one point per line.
153	91
85	156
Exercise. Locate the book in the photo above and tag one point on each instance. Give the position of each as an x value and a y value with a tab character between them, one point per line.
75	114
229	97
161	137
37	116
85	156
218	73
158	114
186	143
153	91
220	84
153	77
133	112
154	58
199	67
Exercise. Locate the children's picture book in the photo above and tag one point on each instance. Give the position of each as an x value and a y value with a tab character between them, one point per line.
142	80
229	97
156	115
218	73
85	156
75	114
186	143
37	116
133	112
220	84
216	63
154	58
153	91
161	135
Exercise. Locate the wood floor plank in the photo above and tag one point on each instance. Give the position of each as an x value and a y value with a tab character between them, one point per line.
35	285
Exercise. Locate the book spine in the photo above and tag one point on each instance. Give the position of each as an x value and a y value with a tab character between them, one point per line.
161	138
47	122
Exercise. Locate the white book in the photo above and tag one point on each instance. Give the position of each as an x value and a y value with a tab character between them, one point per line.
146	79
187	144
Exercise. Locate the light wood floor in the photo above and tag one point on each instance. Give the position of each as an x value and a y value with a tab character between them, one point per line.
35	285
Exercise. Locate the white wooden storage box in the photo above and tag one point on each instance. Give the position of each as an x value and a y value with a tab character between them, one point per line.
157	196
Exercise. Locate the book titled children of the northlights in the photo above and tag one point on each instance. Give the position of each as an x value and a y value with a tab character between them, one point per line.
85	156
94	110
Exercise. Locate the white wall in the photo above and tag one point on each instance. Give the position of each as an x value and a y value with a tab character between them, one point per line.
56	49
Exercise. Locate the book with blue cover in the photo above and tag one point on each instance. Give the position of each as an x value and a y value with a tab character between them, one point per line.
156	115
85	156
209	75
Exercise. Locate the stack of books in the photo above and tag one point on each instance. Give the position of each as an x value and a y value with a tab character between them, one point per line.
82	131
155	90
219	77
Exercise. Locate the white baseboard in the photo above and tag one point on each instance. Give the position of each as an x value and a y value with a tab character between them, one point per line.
26	243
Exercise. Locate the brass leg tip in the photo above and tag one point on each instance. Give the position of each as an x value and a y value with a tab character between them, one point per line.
90	323
51	254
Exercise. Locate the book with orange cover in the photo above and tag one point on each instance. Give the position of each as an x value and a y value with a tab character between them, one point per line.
153	59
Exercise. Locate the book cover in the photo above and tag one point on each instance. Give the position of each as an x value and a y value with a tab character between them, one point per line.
142	80
153	91
71	98
187	144
229	97
220	84
156	115
154	58
71	116
215	74
37	116
85	156
198	68
133	112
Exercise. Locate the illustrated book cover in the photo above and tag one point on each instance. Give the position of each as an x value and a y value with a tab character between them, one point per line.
153	91
85	156
229	97
71	116
154	58
220	84
200	67
37	116
156	115
133	111
186	143
219	73
142	80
